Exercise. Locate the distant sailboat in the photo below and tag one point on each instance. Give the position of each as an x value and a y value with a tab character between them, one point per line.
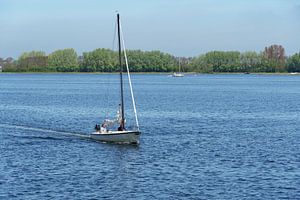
122	135
178	74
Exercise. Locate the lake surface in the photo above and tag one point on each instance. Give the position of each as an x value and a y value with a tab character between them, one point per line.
203	137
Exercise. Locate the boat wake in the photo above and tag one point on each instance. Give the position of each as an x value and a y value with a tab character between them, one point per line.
65	133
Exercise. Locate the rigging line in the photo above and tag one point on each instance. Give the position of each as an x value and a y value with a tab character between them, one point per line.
129	79
114	38
107	99
111	55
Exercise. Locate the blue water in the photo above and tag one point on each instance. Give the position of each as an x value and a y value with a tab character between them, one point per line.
203	137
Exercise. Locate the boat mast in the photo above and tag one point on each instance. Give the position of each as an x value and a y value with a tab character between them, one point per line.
179	64
129	79
122	125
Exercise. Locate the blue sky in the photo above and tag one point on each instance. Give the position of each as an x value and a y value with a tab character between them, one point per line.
179	27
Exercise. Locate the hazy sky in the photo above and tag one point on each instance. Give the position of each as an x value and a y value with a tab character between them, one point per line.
179	27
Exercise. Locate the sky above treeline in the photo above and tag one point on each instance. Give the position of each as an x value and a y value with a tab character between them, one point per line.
179	27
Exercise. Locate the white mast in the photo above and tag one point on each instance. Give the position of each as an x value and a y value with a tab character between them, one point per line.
179	64
129	79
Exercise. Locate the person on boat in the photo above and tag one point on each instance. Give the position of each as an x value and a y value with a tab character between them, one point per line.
103	128
121	129
97	127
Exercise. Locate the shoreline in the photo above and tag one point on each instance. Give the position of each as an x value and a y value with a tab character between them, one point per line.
165	73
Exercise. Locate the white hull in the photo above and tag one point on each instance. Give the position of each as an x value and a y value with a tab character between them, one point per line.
130	137
178	75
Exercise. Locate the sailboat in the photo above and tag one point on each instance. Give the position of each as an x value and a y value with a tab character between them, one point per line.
178	74
121	135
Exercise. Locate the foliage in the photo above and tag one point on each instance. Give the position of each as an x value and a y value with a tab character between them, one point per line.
293	63
63	60
251	62
32	61
272	59
105	60
151	61
231	61
100	60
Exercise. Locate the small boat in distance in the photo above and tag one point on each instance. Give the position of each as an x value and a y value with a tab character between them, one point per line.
178	74
121	135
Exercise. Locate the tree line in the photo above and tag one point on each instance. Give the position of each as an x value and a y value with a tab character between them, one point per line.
271	59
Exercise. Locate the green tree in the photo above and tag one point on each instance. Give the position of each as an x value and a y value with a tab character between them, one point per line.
101	60
200	64
105	60
150	61
272	59
293	63
250	62
35	61
218	61
64	60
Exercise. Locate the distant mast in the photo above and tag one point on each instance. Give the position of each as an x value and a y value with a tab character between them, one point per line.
122	125
179	64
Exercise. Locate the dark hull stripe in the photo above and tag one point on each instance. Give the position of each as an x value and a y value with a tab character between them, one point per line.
136	133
